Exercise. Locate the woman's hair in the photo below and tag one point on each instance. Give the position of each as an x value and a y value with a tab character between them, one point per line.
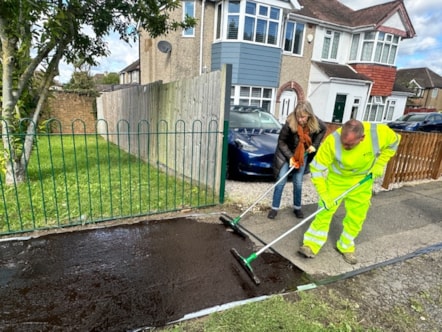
303	107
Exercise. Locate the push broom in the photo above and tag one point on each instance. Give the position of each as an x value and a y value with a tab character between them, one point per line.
233	222
245	262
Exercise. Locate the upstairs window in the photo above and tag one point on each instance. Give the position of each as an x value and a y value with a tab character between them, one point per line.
331	45
354	47
189	10
261	23
219	20
253	22
294	35
377	47
233	20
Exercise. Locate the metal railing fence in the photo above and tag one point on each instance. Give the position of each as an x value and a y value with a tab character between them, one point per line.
80	178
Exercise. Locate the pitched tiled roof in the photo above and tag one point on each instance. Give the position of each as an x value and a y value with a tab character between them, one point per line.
425	77
333	11
326	10
341	71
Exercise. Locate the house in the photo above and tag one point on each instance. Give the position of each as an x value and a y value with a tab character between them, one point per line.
282	51
131	74
426	86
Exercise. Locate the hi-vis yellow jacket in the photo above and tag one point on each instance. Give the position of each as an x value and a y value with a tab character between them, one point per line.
378	146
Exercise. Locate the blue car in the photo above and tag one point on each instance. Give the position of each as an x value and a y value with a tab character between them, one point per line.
414	121
253	136
432	126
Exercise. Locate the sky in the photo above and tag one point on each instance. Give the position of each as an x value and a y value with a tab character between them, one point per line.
424	50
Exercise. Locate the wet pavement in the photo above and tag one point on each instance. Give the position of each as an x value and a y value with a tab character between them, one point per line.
126	277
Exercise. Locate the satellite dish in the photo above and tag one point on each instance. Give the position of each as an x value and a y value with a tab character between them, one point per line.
164	46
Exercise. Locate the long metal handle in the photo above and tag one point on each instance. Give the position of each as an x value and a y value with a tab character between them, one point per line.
267	191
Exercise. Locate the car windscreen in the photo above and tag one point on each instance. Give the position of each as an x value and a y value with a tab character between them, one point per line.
259	120
414	117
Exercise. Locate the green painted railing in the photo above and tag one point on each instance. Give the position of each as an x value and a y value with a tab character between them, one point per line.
80	177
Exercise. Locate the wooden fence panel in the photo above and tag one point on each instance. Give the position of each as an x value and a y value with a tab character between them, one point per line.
180	120
419	157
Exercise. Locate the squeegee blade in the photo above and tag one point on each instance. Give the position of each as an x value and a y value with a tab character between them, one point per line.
245	265
230	224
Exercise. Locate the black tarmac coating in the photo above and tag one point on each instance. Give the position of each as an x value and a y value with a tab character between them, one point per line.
125	277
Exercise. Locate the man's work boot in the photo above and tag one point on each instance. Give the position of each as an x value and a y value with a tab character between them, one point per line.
306	252
350	257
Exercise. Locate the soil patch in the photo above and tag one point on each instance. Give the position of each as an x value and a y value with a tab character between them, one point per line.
129	276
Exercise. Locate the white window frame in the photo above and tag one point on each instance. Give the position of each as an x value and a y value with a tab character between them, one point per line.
375	47
252	95
189	10
219	21
355	107
240	20
374	112
417	89
294	35
389	110
330	46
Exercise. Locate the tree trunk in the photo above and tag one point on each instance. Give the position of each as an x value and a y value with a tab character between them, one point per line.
15	173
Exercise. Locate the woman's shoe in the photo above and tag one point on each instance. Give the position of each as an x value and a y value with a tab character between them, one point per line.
272	214
298	213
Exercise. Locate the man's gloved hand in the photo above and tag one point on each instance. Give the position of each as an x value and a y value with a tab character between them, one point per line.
377	171
327	201
311	149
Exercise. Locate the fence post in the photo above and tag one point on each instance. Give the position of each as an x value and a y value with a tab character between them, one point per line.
227	80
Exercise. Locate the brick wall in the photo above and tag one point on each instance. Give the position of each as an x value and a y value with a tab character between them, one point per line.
382	76
73	112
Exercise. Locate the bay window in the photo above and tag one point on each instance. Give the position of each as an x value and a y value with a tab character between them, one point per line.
375	47
254	22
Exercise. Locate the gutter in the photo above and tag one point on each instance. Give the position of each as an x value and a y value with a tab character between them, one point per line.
332	25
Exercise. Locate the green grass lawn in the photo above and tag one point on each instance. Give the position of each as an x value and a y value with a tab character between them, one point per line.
79	179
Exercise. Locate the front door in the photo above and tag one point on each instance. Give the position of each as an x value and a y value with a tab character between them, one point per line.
338	111
288	102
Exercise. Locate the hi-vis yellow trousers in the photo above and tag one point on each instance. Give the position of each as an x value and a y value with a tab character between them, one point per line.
357	203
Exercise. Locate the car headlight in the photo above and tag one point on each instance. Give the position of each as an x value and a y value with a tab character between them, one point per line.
411	126
243	145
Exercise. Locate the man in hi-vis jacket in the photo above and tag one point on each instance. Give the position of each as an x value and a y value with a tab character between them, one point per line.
345	157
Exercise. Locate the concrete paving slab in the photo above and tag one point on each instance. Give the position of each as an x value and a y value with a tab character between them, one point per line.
400	222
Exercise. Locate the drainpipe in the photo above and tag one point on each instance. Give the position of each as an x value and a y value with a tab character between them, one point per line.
203	7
